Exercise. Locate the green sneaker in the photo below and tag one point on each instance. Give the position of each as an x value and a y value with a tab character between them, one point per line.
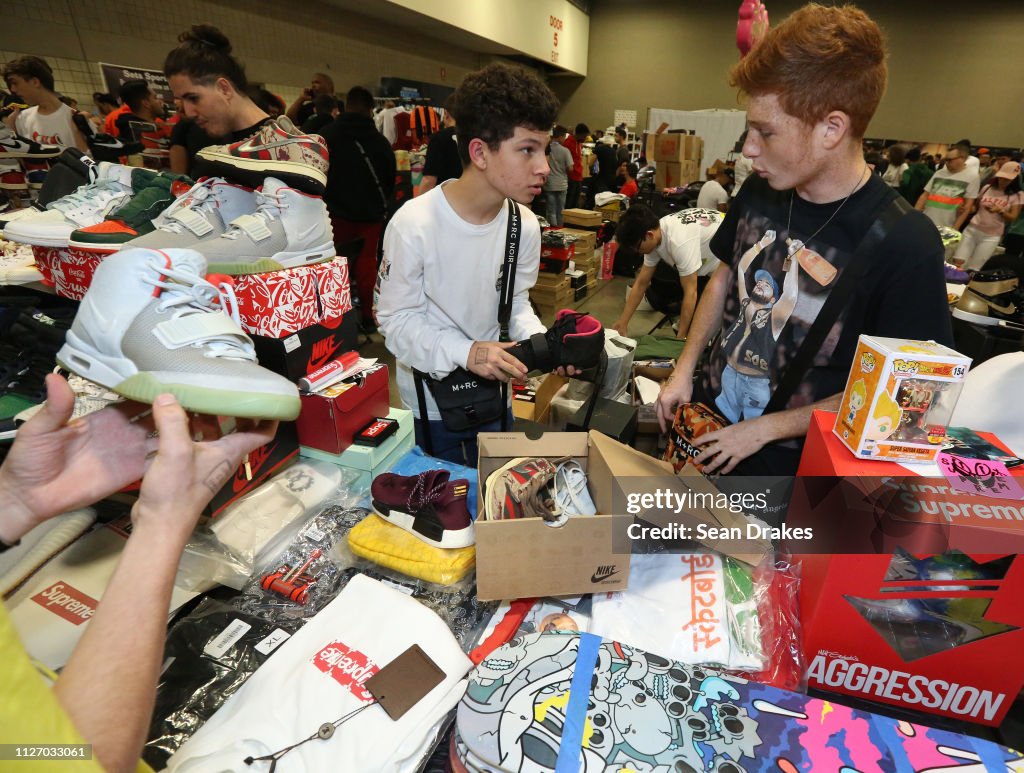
154	192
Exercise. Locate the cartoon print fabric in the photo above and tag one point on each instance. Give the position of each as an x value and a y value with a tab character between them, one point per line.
565	702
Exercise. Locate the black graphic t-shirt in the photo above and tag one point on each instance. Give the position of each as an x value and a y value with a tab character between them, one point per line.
773	302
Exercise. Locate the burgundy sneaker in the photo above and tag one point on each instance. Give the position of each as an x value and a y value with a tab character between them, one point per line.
428	506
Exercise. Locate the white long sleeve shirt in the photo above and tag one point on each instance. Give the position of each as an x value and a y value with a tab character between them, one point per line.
437	290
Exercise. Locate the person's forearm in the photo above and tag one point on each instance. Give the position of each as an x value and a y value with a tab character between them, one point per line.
16	520
921	201
179	159
686	312
636	294
783	425
108	686
706	320
429	181
293	111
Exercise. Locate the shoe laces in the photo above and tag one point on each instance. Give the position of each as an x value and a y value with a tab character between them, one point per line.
421	496
570	481
199	199
268	208
185	292
90	196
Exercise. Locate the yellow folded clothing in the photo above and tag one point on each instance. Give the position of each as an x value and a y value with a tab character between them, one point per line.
376	540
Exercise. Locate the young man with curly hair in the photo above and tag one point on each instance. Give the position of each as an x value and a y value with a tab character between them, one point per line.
812	84
437	289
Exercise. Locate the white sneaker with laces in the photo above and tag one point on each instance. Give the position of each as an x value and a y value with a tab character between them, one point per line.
570	490
151	323
87	206
289	228
203	212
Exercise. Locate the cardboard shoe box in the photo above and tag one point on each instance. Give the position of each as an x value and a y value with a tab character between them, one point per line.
588	554
582	217
263	462
330	419
539	407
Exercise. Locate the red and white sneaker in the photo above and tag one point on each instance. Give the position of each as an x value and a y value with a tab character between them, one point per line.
428	506
522	489
13	180
13	146
278	150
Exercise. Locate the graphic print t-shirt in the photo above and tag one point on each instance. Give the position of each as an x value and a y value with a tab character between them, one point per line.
686	241
947	192
901	292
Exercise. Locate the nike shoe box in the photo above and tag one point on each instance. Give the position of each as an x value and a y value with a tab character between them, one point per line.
527	558
329	419
262	463
310	348
555	260
371	461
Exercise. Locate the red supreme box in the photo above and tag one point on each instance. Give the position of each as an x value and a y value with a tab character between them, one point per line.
912	592
330	419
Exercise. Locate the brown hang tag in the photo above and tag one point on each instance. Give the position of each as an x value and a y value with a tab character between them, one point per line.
403	682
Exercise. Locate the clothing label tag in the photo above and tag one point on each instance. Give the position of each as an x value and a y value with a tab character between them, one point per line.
982	477
276	638
292	342
215	648
404	682
313	533
397	586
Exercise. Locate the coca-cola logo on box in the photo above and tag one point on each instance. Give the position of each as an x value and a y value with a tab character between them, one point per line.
348	667
280	303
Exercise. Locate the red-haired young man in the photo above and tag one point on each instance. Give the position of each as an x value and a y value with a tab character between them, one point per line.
812	85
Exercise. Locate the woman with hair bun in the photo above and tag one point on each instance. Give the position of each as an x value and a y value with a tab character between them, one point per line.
212	85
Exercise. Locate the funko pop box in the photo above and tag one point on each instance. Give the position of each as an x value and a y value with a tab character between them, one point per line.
899	398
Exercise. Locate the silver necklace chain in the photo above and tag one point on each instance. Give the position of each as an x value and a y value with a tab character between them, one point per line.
794	245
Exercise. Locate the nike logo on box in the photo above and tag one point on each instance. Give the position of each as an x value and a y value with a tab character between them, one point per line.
322	353
603	573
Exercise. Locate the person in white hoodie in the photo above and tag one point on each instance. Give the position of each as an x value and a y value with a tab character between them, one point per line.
436	300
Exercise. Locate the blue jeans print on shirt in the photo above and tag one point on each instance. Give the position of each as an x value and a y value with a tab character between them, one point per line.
742	397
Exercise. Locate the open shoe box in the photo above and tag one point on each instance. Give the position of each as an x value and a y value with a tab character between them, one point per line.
526	558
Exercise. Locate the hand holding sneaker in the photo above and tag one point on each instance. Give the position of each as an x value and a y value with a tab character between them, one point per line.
184	475
493	360
56	465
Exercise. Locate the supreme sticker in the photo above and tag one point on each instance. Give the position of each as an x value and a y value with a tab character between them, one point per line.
348	667
67	602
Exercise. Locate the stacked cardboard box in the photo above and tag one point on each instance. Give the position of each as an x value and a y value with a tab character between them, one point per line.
552	292
677	159
586	218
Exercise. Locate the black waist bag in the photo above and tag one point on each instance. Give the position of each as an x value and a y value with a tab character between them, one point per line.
464	399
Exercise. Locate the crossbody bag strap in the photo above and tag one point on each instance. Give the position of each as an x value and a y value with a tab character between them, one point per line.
513	232
377	180
421	398
836	302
